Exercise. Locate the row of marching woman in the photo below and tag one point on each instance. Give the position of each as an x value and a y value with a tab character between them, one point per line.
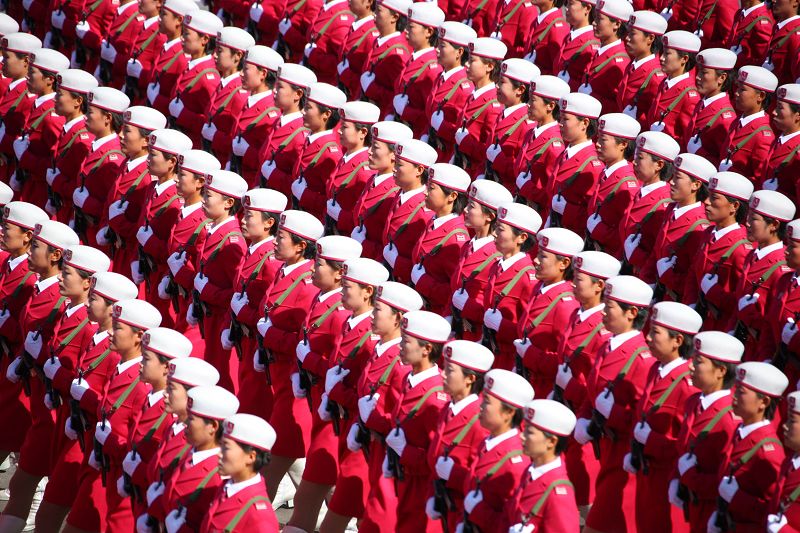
466	266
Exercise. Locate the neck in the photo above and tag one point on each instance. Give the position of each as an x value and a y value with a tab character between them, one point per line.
365	307
169	176
260	89
642	55
244	475
19	252
608	40
137	155
548	457
502	429
220	219
628	328
725	223
198	55
669	358
769	241
387	31
411	186
651	180
578	141
483	83
172	35
460	395
49	272
159	385
77	113
131	354
752	418
712	92
482	231
294	260
547	119
589	303
208	445
512	253
354	148
78	299
712	388
46	90
749	3
421	366
386	337
105	325
104	133
791	129
192	199
613	161
687	201
294	108
444	211
751	111
673	75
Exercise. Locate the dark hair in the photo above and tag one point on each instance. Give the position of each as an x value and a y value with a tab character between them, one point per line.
667	171
622	31
741	211
691	59
143	132
465	57
84	275
333	120
702	192
163	359
730	372
767	103
310	250
436	350
368	127
528	243
526	93
335	265
433	40
686	348
402	22
211	45
794	107
262	456
424	176
657	47
495	76
488	211
117	120
303	98
561	443
772	406
726	86
519	416
569	272
641	315
220	431
592	14
265	216
461	199
84	101
556	108
592	128
477	385
271	77
630	147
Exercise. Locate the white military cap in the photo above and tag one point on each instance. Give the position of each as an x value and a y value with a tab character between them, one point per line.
338	248
172	142
793	230
560	241
327	95
365	271
581	104
758	78
361	112
508	387
794	401
490	194
550	416
167	342
457	33
145	117
302	224
550	87
520	216
198	162
204	22
719	345
426	326
6	194
426	13
449	176
489	48
658	144
86	258
109	99
416	152
772	204
57	235
49	60
180	7
717	58
616	9
76	81
24	215
731	184
267	200
677	317
398	6
520	70
212	402
597	264
629	290
235	38
696	166
193	372
113	286
297	75
264	57
648	22
137	314
789	92
762	377
399	296
620	125
468	354
227	183
21	43
7	25
390	132
682	40
250	430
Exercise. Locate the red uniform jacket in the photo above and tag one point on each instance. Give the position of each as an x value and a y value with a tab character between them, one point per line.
509	132
99	365
302	16
557	513
320	157
148	433
419	77
449	95
73	147
100	170
99	15
267	23
578	50
480	16
404	227
258	516
326	37
673	106
182	489
605	74
479	117
472	274
584	328
256	275
126	27
43	129
782	49
438	252
189	235
388	57
646	218
611	203
346	184
708	128
146	49
714	22
283	149
784	303
747	146
356	50
170	453
512	22
575	178
221	262
751	34
16	289
168	65
227	104
372	209
536	161
254	126
545	41
389	388
781	165
133	186
788	483
681	237
15	106
639	88
196	88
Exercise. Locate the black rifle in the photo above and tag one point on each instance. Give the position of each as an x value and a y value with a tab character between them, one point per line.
55	397
77	420
304	377
99	456
394	460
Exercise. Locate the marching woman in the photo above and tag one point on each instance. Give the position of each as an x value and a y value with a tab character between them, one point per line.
614	387
584	337
660	414
579	45
681	235
15	102
712	117
451	89
767	218
293	27
373	206
321	151
126	201
783	509
169	61
550	29
242	504
511	281
541	327
783	157
326	39
708	428
677	96
416	413
285	305
612	201
511	25
348	180
605	73
184	374
321	330
499	466
380	387
542	144
716	271
356	47
116	45
262	209
784	41
545	499
476	259
146	47
437	252
458	436
653	166
750	36
351	353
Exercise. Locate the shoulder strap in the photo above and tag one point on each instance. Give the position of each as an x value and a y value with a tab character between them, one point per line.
219	245
200	75
510	285
196	233
154	427
285	294
103	159
352	175
547	310
577	173
688	233
710	426
628	364
421	402
499	464
666	394
543	498
758	445
602	65
584	343
124	396
408	220
386	373
464	430
236	519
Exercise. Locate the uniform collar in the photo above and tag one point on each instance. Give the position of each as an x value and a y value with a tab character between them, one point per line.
99	337
744	431
314	136
354	321
538	471
583	314
761	253
404	196
285	119
187	210
416	379
226	80
13	85
544	288
647	189
44	98
381	347
720	233
199	457
418	53
380	40
232	488
618	340
796	461
509	110
789	136
613	168
153	397
505	264
711	99
485	89
744	121
332	3
97	143
603	49
360	22
14	262
577	32
212	228
438	221
749	10
253	99
446	75
347	157
491	442
639	62
575	148
664	370
783	23
178	427
194	62
256	245
477	244
71	310
133	163
538	130
678	212
380	178
44	284
459	406
546	14
324	296
149	22
707	401
79	118
125	365
677	79
161	188
170	44
287	269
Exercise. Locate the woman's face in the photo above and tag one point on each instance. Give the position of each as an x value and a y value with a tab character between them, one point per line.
705	376
233	460
448	55
507	94
493	417
577	13
456	384
169	22
312	117
435	199
417	35
123	338
71	284
381	158
384	319
38	256
682	188
548	267
194	43
198	432
505	240
746	402
16	238
746	99
474	217
226	59
661	344
478	69
615	319
153	371
176	399
325	277
792	253
672	62
158	164
254	228
608	149
406	174
354	295
285	97
605	28
215	204
538	109
783	118
252	76
535	444
718	207
188	183
707	81
65	103
349	135
14	67
757	228
97	121
285	249
637	43
573	127
585	288
791	431
412	351
131	140
645	167
97	308
37	83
